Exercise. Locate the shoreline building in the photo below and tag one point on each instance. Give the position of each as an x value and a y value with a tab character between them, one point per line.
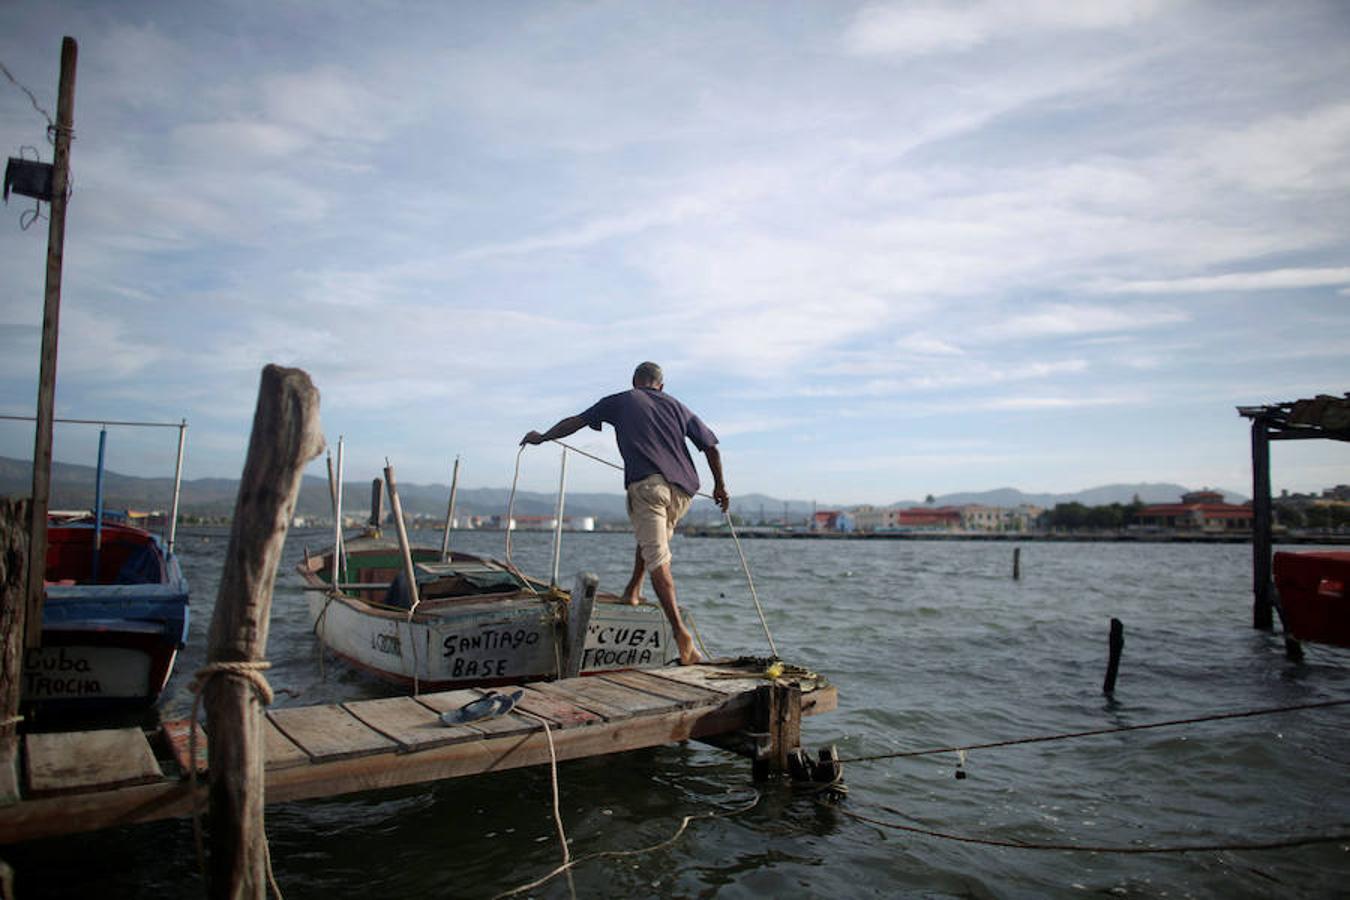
1202	511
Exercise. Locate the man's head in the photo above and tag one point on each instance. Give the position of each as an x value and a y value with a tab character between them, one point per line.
648	375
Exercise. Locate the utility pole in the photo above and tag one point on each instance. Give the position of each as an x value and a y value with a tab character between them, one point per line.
51	314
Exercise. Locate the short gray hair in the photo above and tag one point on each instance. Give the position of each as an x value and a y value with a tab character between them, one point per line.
648	373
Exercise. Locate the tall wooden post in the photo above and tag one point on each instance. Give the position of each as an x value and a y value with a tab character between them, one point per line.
1262	607
51	315
13	594
285	436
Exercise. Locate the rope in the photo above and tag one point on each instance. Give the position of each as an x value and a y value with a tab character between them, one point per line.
615	854
10	720
51	126
1279	844
753	596
511	504
251	672
1100	731
745	565
557	809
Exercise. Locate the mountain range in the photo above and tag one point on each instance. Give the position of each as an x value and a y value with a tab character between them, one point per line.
72	487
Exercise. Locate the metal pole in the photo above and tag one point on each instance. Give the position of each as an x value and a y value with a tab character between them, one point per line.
98	503
450	514
51	315
337	516
177	484
557	525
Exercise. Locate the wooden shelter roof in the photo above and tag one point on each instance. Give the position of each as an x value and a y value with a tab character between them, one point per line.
1323	416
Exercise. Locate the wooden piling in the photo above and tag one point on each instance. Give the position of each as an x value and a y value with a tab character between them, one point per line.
1263	609
51	317
579	611
13	599
778	713
285	436
1017	563
1116	643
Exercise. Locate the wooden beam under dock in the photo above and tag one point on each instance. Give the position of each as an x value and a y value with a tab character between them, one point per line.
364	745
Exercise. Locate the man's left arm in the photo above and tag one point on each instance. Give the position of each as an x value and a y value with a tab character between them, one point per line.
719	486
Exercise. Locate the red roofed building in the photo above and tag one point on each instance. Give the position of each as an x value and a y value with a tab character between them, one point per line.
1198	511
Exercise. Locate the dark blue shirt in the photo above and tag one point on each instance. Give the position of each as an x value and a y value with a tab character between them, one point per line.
651	426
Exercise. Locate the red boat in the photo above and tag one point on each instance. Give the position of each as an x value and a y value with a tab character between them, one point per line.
1313	596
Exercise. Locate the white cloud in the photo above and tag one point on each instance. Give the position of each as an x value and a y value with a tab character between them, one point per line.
916	29
1271	279
1058	319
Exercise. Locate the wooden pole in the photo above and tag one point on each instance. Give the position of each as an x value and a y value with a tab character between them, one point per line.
13	591
409	571
450	513
778	711
285	436
51	316
1017	563
579	613
1116	643
1262	605
376	503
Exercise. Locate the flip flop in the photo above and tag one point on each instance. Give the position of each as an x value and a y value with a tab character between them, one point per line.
489	706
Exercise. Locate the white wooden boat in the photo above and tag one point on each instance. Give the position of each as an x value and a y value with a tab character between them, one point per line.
478	621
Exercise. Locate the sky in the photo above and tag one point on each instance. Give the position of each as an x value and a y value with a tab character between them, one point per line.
883	250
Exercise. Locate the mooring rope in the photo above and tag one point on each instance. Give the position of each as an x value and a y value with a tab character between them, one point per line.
1215	717
726	514
638	851
251	672
557	807
1278	844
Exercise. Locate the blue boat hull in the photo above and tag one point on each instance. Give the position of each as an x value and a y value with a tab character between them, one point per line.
106	645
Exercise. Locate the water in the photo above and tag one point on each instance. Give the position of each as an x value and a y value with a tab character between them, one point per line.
931	644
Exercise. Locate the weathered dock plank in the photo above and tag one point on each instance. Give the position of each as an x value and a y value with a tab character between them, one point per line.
558	712
328	732
448	701
409	724
676	691
70	761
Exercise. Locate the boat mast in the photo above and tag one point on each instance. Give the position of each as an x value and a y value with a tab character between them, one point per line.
336	494
450	514
177	486
558	521
98	502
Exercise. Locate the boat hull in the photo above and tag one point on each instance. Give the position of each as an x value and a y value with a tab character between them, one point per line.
477	641
108	641
1314	601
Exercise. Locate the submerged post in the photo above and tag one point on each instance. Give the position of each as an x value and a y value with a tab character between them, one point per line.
285	436
1017	563
1262	605
778	713
13	589
1116	643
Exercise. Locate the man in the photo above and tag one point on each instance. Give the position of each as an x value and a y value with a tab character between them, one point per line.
658	475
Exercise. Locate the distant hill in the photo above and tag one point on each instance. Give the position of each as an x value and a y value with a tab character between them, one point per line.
73	488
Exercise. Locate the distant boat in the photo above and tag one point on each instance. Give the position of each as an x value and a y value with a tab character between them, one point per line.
114	616
479	621
1314	602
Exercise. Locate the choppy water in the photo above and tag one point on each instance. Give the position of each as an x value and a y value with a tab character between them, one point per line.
931	644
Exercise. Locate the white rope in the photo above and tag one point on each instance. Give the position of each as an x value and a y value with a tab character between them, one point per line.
745	565
511	504
557	808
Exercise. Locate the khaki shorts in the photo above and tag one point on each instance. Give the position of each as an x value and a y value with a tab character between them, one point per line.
654	506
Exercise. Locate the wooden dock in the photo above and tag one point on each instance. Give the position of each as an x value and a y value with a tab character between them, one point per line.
84	781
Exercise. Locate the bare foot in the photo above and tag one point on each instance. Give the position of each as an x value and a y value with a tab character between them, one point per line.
689	655
634	600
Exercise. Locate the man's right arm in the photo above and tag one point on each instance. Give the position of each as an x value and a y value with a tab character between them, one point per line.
569	425
720	496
